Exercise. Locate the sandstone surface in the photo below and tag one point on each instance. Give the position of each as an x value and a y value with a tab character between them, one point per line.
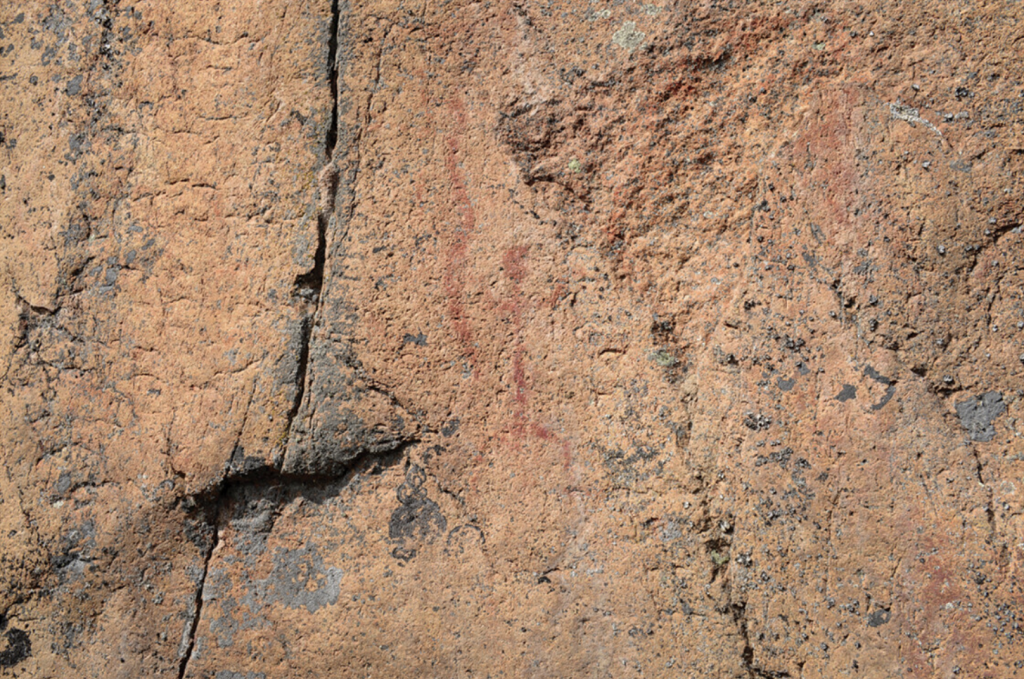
511	339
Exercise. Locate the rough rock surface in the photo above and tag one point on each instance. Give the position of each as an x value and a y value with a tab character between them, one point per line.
511	339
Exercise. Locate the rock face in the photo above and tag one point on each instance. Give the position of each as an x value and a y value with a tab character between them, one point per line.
511	339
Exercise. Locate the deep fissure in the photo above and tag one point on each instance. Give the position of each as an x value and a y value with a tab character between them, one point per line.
308	286
739	616
197	604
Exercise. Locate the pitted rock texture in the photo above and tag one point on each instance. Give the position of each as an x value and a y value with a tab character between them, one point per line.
512	339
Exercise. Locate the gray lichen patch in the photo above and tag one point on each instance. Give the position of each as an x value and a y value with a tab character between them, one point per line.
977	414
300	580
627	37
849	392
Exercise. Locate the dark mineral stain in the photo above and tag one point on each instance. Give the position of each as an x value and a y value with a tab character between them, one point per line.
450	427
418	519
976	415
785	385
879	617
403	554
780	457
18	648
889	392
874	374
849	392
419	340
890	385
757	422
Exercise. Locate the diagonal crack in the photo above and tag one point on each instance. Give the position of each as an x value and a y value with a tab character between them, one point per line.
188	641
738	610
309	286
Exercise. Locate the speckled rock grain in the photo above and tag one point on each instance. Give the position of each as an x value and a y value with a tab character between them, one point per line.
512	339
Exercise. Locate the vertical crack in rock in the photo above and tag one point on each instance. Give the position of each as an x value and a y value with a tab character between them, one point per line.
189	635
310	285
342	411
332	60
739	616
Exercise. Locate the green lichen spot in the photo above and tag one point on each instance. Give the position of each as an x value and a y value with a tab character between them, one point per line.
627	37
719	558
664	359
575	166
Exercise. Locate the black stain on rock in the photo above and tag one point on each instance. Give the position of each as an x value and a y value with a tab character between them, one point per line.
849	392
976	415
19	646
403	554
780	458
757	422
243	465
890	386
879	617
418	519
629	468
874	374
450	428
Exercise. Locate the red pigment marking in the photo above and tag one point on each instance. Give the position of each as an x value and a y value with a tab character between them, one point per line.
927	585
513	262
829	145
556	294
566	455
522	425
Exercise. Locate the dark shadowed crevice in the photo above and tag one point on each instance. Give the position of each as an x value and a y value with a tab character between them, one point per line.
332	60
280	488
309	286
739	616
197	602
263	479
305	337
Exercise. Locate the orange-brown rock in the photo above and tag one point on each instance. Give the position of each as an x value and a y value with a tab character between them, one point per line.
511	339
